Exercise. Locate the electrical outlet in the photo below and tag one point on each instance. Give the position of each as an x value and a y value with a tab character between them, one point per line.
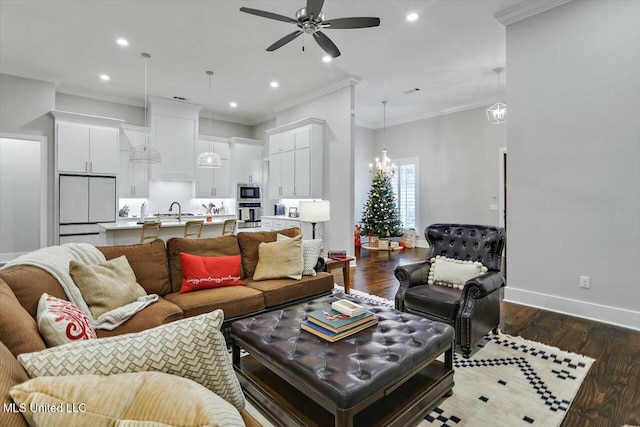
585	282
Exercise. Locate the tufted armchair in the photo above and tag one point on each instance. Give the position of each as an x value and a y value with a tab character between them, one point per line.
474	310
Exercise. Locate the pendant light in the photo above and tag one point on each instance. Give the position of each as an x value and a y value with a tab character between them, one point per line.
145	153
498	111
383	165
209	159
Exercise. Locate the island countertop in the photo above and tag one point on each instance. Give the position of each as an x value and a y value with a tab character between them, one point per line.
129	225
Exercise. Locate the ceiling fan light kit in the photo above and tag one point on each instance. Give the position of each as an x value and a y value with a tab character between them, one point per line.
310	20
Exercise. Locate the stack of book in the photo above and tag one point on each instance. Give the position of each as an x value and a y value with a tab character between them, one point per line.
332	325
337	254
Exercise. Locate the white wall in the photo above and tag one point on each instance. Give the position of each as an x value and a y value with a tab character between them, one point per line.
574	160
223	129
80	104
458	157
338	135
364	152
24	109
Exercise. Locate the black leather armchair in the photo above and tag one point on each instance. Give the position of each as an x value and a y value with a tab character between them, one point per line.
474	310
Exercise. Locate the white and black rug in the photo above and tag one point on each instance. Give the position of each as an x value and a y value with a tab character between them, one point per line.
509	381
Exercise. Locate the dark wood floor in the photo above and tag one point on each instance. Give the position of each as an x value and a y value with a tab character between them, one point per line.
609	396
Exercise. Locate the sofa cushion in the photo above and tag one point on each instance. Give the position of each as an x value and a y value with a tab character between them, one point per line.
106	286
159	313
11	373
149	263
60	321
208	272
133	399
280	260
233	300
310	252
18	330
192	348
249	242
439	301
280	291
28	283
216	246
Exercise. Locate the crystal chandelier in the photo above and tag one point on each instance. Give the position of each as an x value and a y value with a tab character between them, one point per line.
497	112
209	159
145	153
383	164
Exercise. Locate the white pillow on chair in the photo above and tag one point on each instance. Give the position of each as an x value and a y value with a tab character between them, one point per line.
453	273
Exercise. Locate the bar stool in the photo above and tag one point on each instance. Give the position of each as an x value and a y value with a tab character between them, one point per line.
150	231
229	227
193	229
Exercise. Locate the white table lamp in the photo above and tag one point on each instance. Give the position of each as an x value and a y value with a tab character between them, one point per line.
314	211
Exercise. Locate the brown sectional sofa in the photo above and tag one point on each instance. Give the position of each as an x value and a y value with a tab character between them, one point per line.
158	269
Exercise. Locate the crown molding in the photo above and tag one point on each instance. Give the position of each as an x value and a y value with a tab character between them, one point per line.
350	80
87	118
524	10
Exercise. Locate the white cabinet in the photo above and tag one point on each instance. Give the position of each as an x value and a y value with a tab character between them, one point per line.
295	160
246	162
214	182
133	177
174	132
86	149
87	199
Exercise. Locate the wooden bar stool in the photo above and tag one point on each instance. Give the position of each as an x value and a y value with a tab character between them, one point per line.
150	231
229	227
193	229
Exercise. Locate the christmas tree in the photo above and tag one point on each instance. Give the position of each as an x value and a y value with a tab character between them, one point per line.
380	215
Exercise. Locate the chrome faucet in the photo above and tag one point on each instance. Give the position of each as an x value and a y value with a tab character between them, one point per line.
179	210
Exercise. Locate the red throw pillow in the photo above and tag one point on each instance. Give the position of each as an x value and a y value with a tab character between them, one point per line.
206	272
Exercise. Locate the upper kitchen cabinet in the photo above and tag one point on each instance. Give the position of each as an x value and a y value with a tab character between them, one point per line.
86	144
133	177
212	182
247	160
295	160
174	132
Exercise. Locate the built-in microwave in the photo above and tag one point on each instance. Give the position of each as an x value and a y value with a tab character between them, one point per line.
249	193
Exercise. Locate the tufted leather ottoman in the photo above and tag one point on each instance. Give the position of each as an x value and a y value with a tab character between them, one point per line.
385	375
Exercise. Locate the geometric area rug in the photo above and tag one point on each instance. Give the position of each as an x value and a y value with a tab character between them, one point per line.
509	381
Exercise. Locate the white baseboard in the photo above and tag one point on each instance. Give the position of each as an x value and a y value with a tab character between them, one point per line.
586	310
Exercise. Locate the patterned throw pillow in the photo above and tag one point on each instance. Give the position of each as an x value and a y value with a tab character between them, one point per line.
453	273
135	399
192	348
61	322
206	272
310	253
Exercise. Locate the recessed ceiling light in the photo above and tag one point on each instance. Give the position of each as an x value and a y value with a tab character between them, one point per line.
122	42
327	58
233	104
412	17
105	77
274	84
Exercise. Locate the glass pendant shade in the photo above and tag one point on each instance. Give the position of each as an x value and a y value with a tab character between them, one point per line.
145	153
209	159
497	112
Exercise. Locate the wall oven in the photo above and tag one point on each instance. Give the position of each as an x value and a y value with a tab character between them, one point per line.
249	193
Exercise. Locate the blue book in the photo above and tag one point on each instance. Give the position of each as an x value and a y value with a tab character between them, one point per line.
331	336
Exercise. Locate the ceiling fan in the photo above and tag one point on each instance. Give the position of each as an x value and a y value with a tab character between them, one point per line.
310	20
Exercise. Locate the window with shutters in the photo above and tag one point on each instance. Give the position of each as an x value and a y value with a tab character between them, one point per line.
405	187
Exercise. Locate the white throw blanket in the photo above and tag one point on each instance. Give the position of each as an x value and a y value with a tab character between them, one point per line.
55	261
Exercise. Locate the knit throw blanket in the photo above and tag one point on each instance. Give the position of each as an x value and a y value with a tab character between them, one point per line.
55	261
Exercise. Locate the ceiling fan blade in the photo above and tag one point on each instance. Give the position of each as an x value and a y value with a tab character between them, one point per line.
345	23
314	7
326	44
269	15
286	39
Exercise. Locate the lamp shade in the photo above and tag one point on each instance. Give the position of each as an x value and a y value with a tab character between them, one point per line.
314	210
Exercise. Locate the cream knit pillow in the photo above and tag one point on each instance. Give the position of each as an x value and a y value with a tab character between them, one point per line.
453	273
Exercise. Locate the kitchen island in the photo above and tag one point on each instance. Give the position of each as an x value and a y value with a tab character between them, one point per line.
127	232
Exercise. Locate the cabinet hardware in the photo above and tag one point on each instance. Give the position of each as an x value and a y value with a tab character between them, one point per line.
86	166
90	166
